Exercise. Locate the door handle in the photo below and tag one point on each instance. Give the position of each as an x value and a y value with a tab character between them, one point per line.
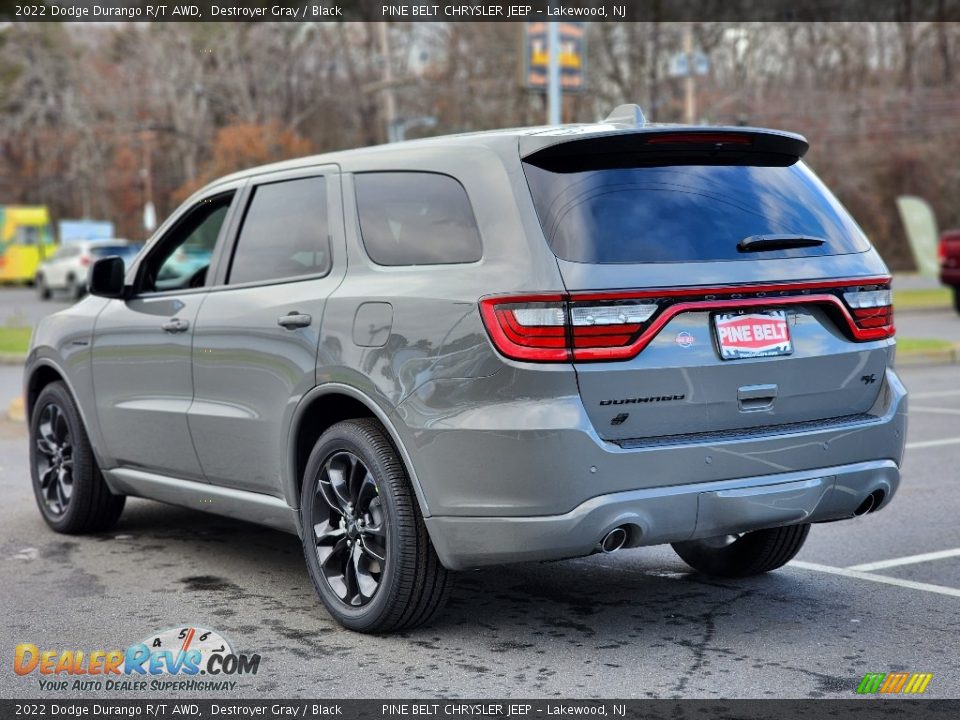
175	325
294	320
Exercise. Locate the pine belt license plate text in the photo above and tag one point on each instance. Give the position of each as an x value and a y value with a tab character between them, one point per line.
748	335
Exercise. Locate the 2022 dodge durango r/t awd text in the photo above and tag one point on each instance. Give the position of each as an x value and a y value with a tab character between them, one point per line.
519	345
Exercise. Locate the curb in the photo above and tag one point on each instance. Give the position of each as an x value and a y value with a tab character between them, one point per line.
15	411
13	359
950	356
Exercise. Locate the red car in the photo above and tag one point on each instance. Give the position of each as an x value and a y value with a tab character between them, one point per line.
950	263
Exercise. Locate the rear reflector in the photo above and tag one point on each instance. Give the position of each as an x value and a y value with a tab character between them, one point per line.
618	325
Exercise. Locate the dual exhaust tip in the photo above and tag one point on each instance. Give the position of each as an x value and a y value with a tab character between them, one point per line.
617	538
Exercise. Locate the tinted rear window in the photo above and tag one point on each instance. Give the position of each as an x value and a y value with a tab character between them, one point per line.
284	233
687	213
416	218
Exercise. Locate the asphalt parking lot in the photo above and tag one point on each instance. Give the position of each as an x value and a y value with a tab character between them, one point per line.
863	596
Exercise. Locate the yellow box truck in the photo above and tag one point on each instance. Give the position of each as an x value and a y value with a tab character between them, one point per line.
26	239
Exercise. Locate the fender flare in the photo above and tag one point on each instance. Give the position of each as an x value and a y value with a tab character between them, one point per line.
92	430
291	481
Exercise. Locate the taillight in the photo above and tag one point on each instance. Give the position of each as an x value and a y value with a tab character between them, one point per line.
547	328
528	327
872	312
84	260
559	327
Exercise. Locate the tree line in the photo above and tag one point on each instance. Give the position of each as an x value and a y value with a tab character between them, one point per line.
96	119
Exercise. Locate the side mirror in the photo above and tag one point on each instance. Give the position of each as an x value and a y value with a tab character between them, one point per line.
106	277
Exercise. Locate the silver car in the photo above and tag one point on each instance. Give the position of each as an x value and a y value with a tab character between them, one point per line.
520	345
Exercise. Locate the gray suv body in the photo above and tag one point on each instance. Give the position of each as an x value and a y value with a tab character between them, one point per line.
519	345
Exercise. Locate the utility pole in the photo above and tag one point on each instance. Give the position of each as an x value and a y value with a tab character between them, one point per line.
553	74
389	101
690	90
146	173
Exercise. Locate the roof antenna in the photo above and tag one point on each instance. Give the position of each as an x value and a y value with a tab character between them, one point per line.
626	115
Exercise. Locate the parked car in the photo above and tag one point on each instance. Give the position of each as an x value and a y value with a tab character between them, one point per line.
487	348
950	263
67	268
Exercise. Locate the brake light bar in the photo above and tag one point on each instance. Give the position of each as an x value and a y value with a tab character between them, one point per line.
700	138
564	327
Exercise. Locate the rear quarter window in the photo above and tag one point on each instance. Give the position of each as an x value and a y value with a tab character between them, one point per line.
416	218
686	213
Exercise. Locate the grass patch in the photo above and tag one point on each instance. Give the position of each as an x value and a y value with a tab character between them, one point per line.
14	339
921	345
940	297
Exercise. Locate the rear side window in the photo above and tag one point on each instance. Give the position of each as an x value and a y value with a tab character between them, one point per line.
416	218
687	213
284	233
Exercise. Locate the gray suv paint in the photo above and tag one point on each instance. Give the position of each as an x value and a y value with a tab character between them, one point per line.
519	345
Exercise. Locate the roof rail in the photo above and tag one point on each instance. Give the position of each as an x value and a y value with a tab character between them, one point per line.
630	114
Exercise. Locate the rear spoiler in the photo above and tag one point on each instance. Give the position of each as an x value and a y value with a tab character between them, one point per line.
607	146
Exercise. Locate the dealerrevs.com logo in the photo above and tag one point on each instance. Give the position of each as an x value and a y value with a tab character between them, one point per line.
172	659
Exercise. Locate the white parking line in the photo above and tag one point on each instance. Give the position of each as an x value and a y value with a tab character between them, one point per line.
942	411
908	560
857	574
932	443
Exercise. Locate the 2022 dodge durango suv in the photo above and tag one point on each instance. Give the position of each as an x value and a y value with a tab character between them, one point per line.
518	345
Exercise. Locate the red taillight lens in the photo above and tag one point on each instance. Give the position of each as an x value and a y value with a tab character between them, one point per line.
551	328
872	312
84	260
617	325
529	327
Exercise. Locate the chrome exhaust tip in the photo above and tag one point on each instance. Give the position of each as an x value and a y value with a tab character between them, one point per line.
865	507
613	540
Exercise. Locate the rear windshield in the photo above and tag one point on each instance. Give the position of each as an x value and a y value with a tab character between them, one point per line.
687	213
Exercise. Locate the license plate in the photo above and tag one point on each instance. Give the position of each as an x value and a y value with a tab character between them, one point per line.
750	335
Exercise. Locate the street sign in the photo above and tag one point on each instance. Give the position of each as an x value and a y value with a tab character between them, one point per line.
536	56
680	64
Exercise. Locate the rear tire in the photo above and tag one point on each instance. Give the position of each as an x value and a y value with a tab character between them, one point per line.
364	539
67	484
752	553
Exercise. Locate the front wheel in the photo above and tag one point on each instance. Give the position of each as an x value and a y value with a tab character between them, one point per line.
70	491
743	555
364	539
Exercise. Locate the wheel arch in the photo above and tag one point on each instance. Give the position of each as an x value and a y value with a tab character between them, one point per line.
319	409
41	375
42	372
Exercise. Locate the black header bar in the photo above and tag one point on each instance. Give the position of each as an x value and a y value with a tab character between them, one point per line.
471	11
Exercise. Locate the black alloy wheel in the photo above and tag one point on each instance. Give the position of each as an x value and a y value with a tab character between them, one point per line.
54	459
349	528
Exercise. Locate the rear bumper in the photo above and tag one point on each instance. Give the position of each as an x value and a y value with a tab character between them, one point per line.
545	487
665	514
